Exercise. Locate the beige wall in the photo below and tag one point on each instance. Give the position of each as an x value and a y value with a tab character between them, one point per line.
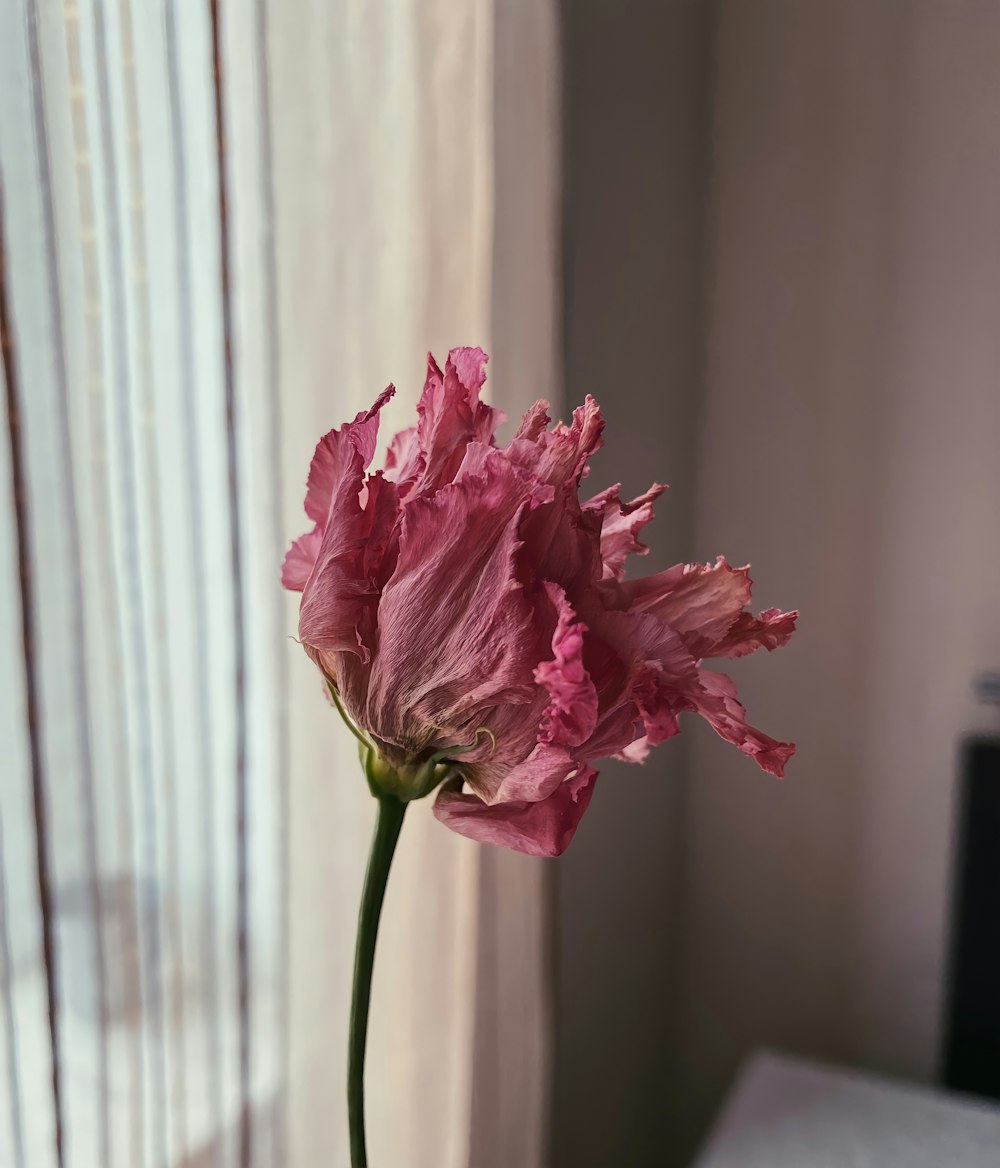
845	386
634	175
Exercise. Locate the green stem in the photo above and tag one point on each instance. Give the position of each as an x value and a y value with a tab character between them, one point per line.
387	827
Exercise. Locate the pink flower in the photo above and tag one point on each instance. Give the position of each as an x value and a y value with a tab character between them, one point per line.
473	618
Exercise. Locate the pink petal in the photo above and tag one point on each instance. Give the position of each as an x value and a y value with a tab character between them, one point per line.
457	633
542	828
479	458
642	676
469	365
534	423
379	533
717	702
545	768
768	631
559	455
324	472
571	715
562	543
300	560
338	589
620	526
699	601
452	416
404	461
381	528
530	754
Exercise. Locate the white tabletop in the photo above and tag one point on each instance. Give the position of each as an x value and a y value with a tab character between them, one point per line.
786	1113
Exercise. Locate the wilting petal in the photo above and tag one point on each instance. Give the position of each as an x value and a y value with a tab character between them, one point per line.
457	633
531	747
468	363
301	559
404	461
545	768
563	545
768	631
699	601
620	526
560	455
381	528
717	702
644	672
542	828
452	416
571	715
326	468
535	422
654	692
338	588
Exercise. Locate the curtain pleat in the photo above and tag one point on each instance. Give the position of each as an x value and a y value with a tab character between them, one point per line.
383	202
156	639
27	1098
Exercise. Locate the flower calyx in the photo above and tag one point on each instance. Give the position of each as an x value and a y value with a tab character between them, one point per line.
417	779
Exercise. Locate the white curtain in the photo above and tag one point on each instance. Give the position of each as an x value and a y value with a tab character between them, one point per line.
184	825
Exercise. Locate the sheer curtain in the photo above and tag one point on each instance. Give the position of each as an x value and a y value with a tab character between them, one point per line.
182	825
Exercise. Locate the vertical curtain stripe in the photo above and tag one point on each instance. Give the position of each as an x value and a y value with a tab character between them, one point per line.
39	793
106	591
9	1017
279	1144
151	960
79	640
106	584
190	389
172	971
242	907
171	974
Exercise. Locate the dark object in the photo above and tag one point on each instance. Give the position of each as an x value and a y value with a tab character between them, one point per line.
972	1024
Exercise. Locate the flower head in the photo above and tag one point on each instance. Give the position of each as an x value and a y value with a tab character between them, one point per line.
474	622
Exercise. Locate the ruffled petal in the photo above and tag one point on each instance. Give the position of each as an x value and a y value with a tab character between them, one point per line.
642	670
564	545
545	768
468	364
381	528
535	422
620	526
715	699
699	601
337	590
326	467
403	460
768	631
559	455
457	633
531	747
451	416
542	828
301	559
571	715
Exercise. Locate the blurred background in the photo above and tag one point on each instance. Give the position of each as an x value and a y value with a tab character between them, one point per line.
765	236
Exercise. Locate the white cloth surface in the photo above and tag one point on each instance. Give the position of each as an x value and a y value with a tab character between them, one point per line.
787	1113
